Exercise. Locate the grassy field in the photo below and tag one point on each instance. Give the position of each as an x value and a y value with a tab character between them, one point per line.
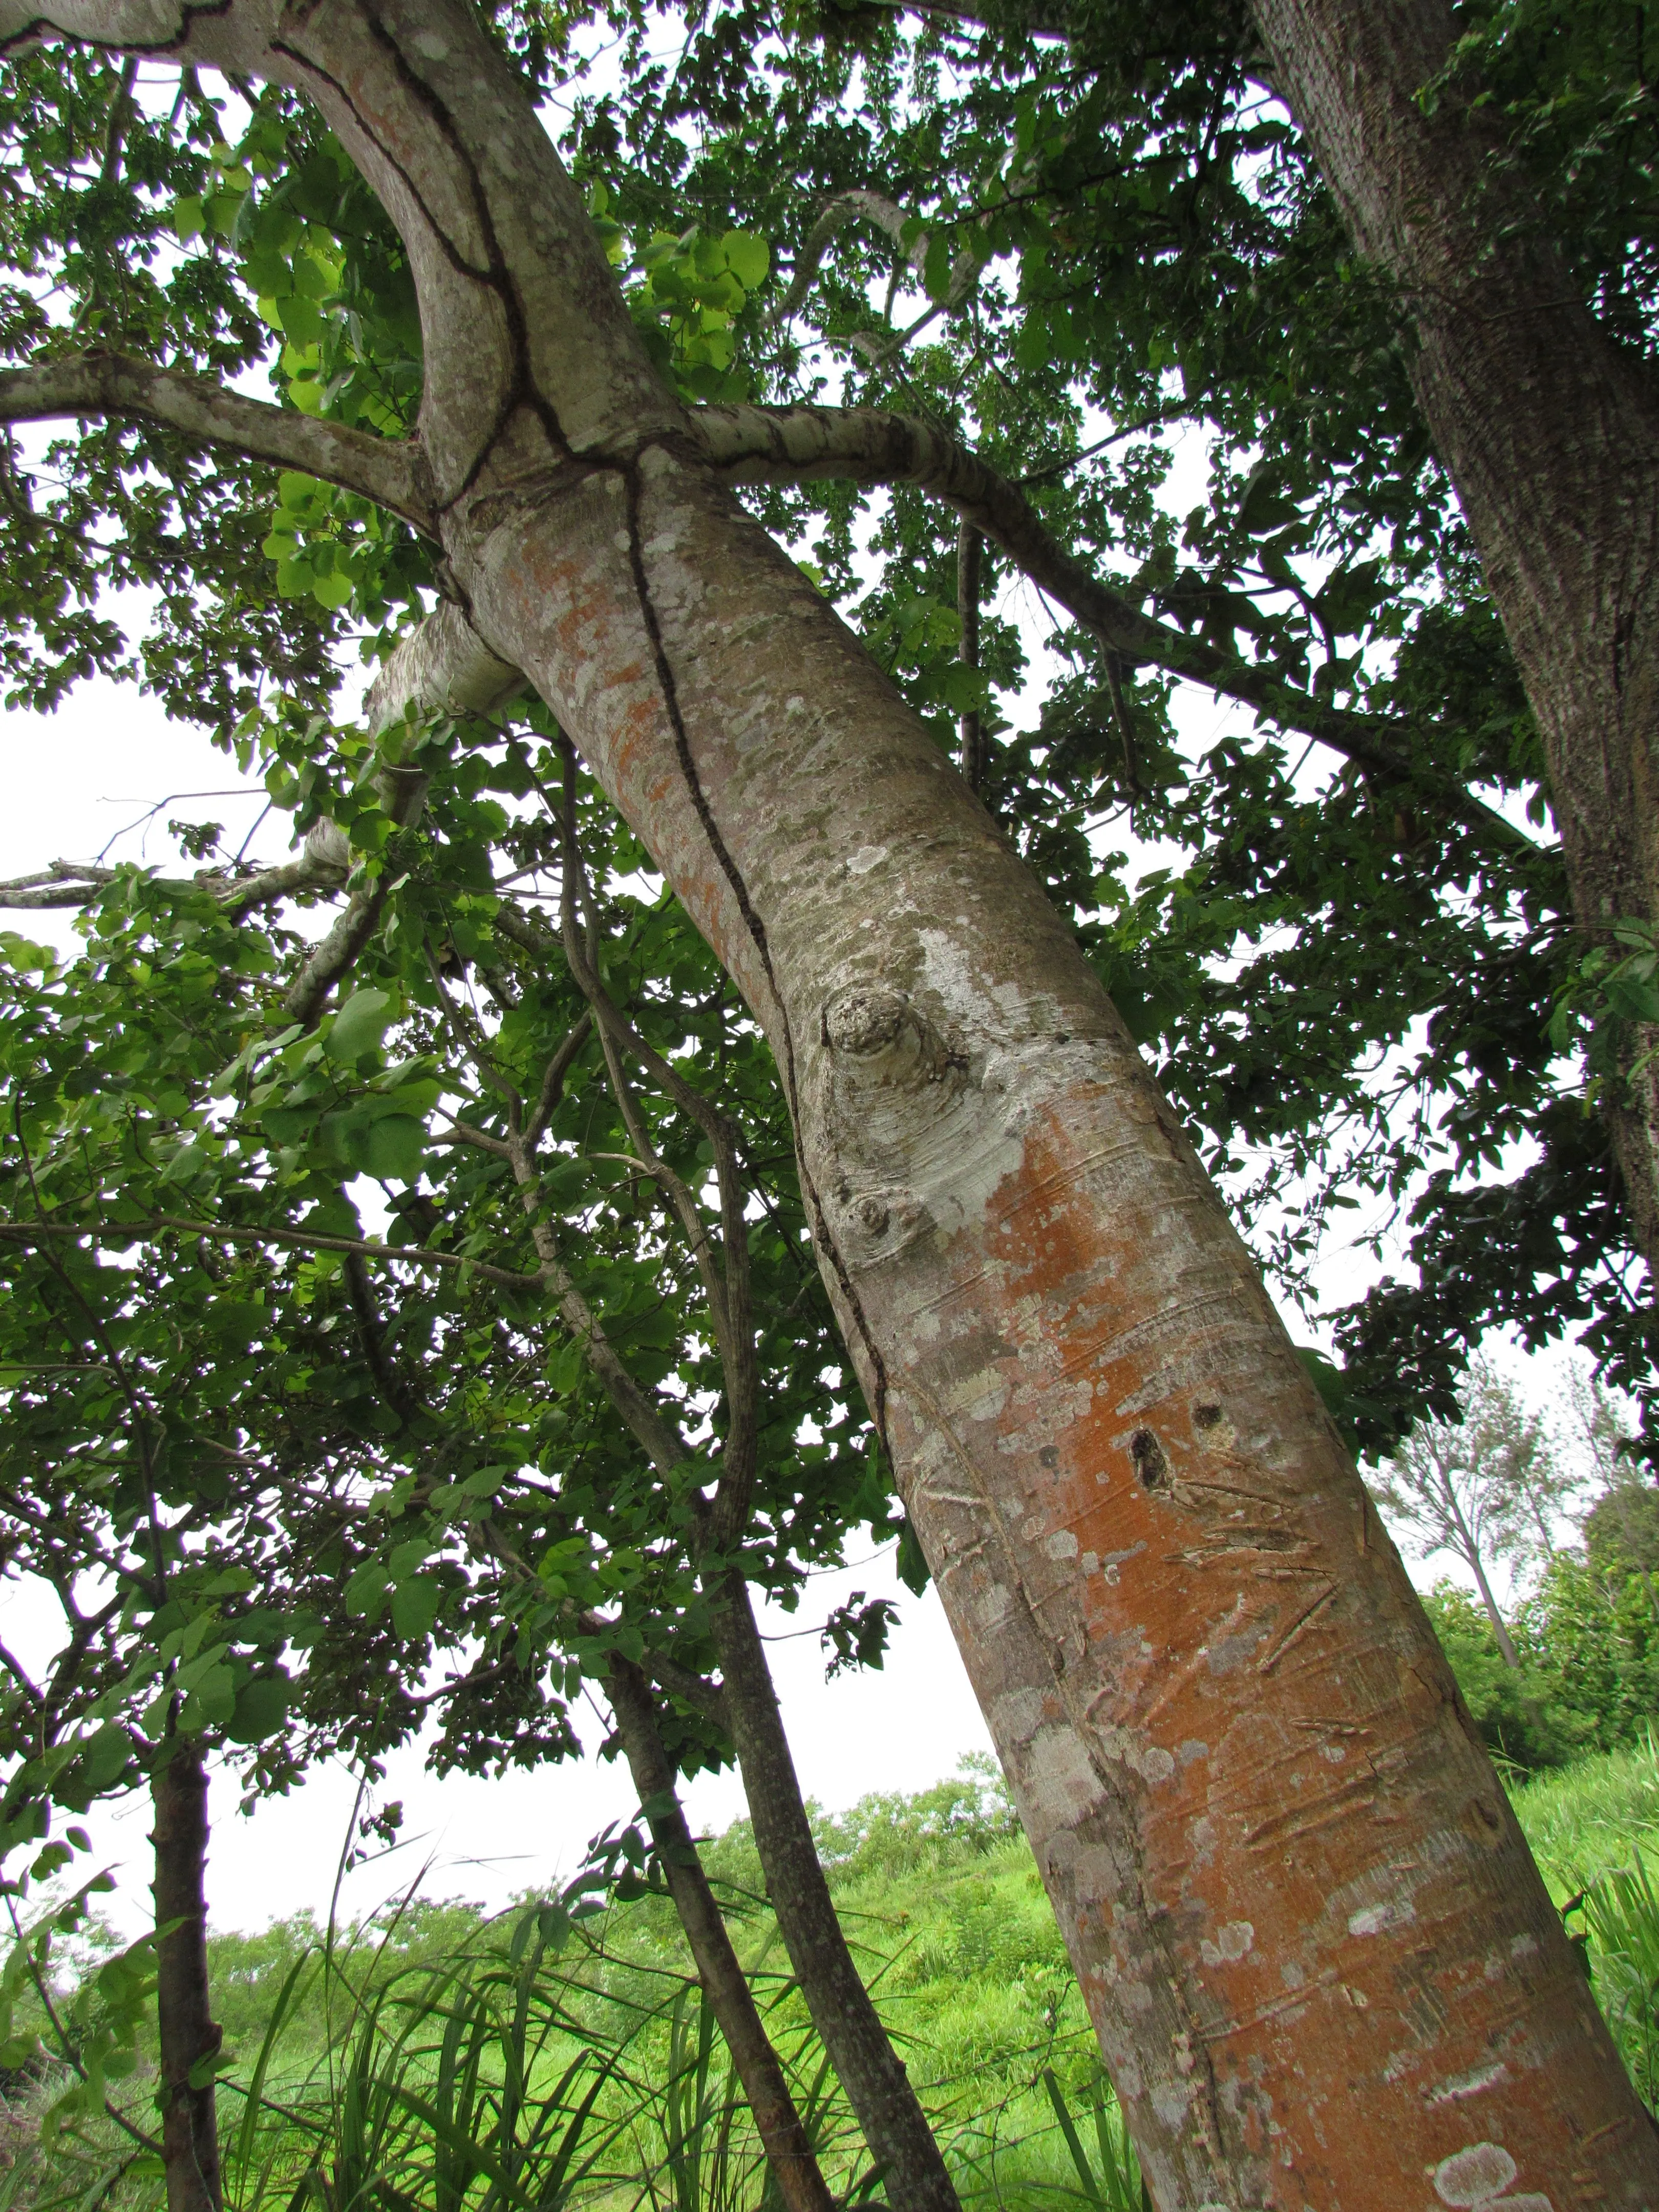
439	2062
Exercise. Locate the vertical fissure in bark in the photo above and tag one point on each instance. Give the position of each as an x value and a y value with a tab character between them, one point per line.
188	2038
788	2147
858	2046
822	1237
494	273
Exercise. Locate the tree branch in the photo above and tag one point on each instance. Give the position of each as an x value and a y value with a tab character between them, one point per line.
208	32
443	667
129	1232
846	207
386	470
797	445
445	664
319	866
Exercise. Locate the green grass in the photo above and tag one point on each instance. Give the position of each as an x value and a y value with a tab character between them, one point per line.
1581	1820
437	2061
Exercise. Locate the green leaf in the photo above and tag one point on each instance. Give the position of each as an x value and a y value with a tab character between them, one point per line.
564	1368
261	1709
365	1594
391	1149
359	1024
300	319
414	1606
211	1703
334	590
1633	1000
748	258
239	1321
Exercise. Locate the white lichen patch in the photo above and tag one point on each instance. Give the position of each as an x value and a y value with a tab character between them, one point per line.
1462	2086
1231	1941
1149	1760
1474	2176
1389	1912
1060	1784
1017	1715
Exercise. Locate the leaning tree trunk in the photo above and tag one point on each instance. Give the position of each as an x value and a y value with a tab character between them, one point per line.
1549	430
869	2068
789	2154
188	2035
1321	1963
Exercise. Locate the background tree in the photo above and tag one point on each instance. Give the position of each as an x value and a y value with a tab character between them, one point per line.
1487	1488
1434	139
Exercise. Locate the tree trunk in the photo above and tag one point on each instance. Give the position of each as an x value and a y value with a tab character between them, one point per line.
1548	428
1505	1641
866	2065
970	550
188	2034
1469	1551
1321	1963
788	2151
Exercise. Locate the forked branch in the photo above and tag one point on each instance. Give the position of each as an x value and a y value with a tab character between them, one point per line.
797	444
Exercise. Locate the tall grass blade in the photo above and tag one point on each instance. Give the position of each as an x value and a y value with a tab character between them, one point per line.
1086	2172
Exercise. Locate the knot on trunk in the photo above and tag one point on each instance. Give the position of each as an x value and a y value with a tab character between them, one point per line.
881	1041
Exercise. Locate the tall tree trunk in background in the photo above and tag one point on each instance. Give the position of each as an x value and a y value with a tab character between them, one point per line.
1321	1966
1506	1648
188	2035
789	2154
1548	428
858	2046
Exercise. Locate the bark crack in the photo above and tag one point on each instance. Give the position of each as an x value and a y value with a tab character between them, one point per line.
669	688
495	274
498	275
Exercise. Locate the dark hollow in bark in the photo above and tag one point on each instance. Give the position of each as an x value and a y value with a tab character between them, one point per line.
788	2150
189	2134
